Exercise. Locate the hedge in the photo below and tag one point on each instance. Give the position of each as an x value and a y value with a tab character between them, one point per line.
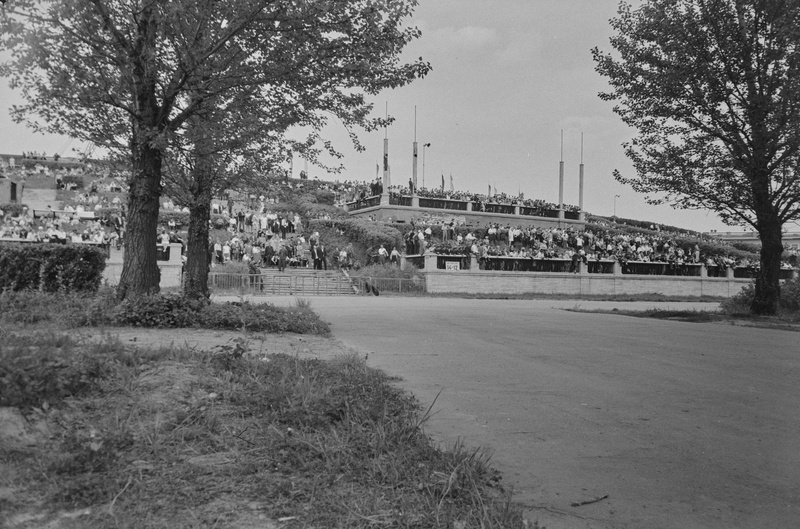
365	232
15	210
51	267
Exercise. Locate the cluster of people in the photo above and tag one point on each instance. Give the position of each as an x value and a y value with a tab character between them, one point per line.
569	243
33	155
55	230
264	250
480	201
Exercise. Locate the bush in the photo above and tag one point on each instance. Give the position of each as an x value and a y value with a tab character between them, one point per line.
159	310
364	232
174	310
181	218
789	303
73	179
51	267
46	369
15	210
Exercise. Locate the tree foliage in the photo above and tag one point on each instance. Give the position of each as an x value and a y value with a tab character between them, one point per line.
713	90
139	77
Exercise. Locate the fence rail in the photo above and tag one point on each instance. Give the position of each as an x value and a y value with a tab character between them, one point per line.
265	284
391	284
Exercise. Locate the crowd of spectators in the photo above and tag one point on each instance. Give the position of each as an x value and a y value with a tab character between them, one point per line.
593	244
55	228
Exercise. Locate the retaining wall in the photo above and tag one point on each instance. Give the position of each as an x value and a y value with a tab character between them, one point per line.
493	282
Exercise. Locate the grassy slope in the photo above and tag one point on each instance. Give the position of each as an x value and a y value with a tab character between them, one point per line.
183	438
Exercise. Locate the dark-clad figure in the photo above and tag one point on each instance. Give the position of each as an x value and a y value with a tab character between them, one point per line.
323	256
282	255
315	255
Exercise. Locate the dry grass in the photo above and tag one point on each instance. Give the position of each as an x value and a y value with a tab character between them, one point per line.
184	438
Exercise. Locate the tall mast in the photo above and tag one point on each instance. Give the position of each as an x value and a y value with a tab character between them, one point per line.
414	160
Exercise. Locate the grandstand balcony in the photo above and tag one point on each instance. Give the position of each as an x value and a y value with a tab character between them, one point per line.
403	208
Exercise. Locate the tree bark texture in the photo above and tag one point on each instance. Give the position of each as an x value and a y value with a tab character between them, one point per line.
768	287
140	273
195	283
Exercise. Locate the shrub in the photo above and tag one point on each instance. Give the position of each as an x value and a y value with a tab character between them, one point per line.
174	310
158	310
365	232
219	222
46	368
388	270
15	210
73	179
181	218
51	267
789	301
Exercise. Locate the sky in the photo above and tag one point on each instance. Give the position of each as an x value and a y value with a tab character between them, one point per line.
508	77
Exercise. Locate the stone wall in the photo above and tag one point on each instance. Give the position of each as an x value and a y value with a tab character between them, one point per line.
494	282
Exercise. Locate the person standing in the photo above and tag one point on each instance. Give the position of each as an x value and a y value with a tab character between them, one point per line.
282	255
323	256
315	255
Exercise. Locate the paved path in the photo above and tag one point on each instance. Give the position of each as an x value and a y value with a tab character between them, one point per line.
683	425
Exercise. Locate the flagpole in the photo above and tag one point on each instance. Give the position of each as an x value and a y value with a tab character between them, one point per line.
581	215
561	180
386	182
414	159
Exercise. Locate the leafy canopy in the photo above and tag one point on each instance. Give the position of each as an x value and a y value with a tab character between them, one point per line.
713	89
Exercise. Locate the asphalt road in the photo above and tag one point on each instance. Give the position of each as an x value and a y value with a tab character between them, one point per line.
682	425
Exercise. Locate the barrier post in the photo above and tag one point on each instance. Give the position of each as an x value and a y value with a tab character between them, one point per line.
473	263
430	261
617	268
729	272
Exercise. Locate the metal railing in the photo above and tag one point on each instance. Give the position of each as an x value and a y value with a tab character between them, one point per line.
442	203
448	262
660	269
526	264
369	202
390	284
265	284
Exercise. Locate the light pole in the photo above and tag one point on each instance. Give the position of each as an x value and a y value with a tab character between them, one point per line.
424	146
615	206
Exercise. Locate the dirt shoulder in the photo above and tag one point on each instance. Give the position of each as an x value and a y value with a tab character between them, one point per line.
211	340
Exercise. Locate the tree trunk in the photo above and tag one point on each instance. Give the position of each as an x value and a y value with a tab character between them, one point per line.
195	284
768	287
140	273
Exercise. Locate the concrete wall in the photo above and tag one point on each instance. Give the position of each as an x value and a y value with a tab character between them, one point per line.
495	282
170	270
473	218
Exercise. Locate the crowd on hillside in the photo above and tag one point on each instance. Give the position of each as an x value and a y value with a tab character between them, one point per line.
569	243
258	228
56	228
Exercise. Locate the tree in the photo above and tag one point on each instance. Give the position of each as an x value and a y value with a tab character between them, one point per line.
713	89
129	75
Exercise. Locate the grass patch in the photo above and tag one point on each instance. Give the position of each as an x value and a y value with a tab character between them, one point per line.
694	316
585	297
165	310
177	438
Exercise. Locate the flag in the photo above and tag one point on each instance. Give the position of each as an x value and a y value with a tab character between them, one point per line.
451	184
377	170
442	181
490	190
